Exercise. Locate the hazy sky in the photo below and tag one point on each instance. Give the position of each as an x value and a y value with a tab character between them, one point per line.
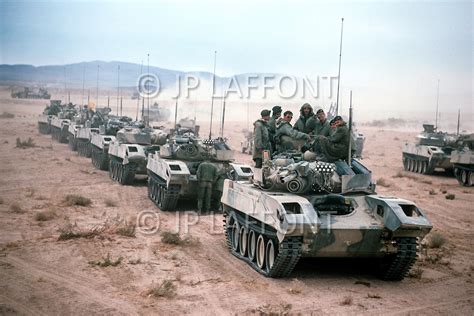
393	53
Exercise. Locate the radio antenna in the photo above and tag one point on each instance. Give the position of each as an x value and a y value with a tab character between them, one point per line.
212	96
339	73
83	80
118	87
175	115
223	119
98	71
437	104
349	154
148	91
138	90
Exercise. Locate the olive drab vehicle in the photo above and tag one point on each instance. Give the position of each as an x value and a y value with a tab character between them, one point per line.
28	93
304	208
99	143
432	150
463	160
129	150
44	120
172	170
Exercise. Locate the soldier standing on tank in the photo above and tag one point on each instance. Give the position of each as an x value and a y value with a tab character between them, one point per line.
261	138
218	188
335	146
306	122
322	125
206	175
284	128
276	114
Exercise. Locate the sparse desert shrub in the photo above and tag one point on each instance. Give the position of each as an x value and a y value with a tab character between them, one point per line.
126	229
72	232
347	300
23	144
136	261
110	203
415	273
373	295
433	192
450	196
383	183
436	240
107	262
79	200
44	216
16	208
7	115
164	289
174	239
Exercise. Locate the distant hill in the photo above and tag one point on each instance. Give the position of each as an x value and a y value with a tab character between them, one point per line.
56	74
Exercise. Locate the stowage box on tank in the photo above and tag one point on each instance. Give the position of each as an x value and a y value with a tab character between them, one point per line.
319	209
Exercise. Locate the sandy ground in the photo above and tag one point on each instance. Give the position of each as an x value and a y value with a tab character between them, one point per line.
41	275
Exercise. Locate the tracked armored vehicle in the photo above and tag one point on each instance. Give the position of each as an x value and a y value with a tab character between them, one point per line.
172	170
44	120
60	128
432	150
44	124
463	160
129	151
297	209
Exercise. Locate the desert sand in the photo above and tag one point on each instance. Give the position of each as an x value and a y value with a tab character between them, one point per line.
40	275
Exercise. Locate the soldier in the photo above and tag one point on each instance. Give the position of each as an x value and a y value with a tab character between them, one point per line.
206	175
272	124
322	125
306	122
285	135
335	146
261	138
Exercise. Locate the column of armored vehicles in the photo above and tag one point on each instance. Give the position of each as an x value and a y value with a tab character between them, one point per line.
292	207
434	149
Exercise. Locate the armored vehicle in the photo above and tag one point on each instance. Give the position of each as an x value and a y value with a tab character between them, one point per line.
463	160
128	152
304	208
172	170
72	135
28	93
83	139
359	140
60	128
44	121
432	150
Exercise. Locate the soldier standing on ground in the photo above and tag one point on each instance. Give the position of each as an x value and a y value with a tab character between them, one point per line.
276	114
217	189
322	125
261	138
306	122
206	175
285	134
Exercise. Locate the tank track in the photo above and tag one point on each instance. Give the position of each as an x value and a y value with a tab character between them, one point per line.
72	142
464	174
396	266
57	134
99	159
123	174
288	252
83	148
417	164
44	128
166	198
